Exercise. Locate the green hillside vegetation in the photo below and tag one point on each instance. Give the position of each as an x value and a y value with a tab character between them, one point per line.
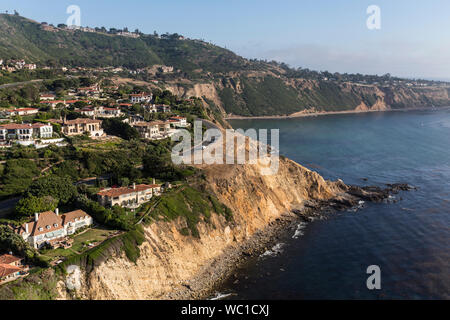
266	88
193	205
23	38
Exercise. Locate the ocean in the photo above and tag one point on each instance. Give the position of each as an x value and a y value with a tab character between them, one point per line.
409	239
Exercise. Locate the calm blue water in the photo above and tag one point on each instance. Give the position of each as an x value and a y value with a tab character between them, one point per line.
409	240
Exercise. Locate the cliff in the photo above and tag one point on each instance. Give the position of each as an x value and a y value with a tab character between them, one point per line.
172	265
273	94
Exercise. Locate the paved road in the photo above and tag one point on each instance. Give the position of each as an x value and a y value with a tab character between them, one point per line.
7	205
16	84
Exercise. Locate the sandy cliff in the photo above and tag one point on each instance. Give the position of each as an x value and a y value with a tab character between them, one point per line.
170	262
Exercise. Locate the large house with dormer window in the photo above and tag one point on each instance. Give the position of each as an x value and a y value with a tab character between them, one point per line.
50	227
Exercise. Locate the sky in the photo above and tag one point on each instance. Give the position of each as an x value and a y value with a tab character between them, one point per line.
413	39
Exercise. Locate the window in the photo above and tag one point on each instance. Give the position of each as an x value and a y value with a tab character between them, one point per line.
48	227
55	225
40	229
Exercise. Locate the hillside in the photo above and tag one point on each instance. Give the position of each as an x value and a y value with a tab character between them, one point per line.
24	38
229	84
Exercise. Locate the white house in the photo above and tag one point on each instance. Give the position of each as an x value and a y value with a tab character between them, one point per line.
46	97
141	97
152	130
30	66
178	122
50	227
21	112
25	131
130	197
105	112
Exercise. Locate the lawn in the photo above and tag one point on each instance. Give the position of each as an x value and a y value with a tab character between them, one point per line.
105	145
94	235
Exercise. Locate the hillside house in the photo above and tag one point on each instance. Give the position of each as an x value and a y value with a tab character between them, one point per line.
152	130
50	228
163	108
86	111
151	108
128	197
21	112
103	112
106	112
11	267
141	97
93	90
82	125
53	103
178	122
25	131
30	66
47	97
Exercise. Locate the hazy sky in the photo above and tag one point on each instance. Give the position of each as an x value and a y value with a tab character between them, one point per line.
414	39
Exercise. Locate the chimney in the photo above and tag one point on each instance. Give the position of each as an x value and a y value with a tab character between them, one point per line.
134	185
57	211
154	181
36	216
26	227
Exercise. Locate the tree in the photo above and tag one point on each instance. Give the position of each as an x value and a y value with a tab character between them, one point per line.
18	174
26	207
124	182
59	187
11	241
118	128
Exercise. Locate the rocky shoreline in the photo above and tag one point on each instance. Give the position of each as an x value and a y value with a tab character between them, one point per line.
205	284
324	113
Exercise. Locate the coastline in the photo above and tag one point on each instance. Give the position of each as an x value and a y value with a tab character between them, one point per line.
302	114
207	282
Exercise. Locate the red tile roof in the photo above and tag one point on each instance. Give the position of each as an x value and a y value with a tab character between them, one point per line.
72	215
115	192
82	121
52	101
6	270
8	259
140	95
46	219
22	109
74	101
22	125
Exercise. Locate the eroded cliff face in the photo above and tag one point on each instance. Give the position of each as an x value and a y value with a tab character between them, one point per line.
170	261
315	96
